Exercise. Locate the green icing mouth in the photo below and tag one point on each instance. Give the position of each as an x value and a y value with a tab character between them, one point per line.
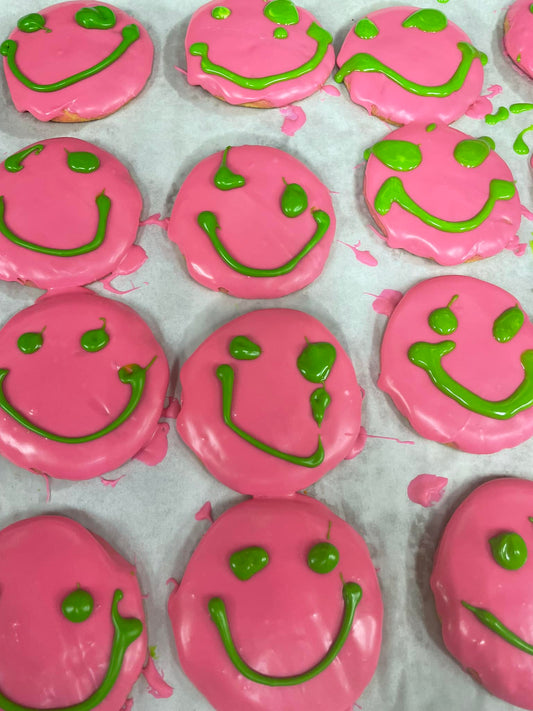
493	623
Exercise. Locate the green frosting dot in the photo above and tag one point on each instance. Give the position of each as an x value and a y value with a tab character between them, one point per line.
366	29
247	562
78	605
280	33
226	179
397	155
320	400
83	162
32	23
294	200
427	21
93	341
282	12
508	323
220	12
471	152
316	361
243	348
96	18
509	550
323	558
30	342
431	127
443	321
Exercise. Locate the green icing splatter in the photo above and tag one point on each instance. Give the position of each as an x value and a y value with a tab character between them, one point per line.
242	348
83	161
501	115
247	562
471	152
220	12
283	12
427	21
509	550
397	155
96	18
431	127
316	361
508	323
32	23
96	339
520	146
366	29
520	108
294	200
443	321
30	342
489	141
280	33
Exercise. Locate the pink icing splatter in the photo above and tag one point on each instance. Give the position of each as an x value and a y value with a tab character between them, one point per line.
483	106
134	259
128	705
158	687
386	302
172	410
426	489
526	213
359	443
517	247
294	119
47	484
111	482
174	582
205	513
361	255
156	449
182	71
156	219
331	90
392	439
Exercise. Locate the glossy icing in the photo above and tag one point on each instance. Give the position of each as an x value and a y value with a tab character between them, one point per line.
485	608
77	70
238	239
242	58
286	619
442	209
46	659
72	412
518	26
389	79
426	489
271	404
491	376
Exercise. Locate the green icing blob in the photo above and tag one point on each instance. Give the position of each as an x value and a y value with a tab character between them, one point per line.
246	563
397	155
489	141
508	323
220	12
93	341
366	29
493	623
32	23
443	321
225	179
14	163
501	115
30	342
509	550
83	161
282	12
320	400
520	146
431	127
294	200
520	108
280	33
96	18
242	348
471	152
427	20
77	606
316	361
323	558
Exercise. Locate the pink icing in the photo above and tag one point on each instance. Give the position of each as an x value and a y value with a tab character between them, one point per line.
45	660
156	220
465	570
71	392
517	35
479	362
284	619
392	439
253	227
526	213
128	705
448	190
271	401
483	106
47	485
50	205
330	89
111	482
47	57
156	449
205	513
294	119
158	687
386	302
172	409
426	489
429	58
361	255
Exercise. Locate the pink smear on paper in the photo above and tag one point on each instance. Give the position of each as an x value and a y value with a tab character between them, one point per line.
361	255
392	439
173	581
517	247
526	213
47	484
156	449
386	302
359	444
205	513
483	106
128	705
359	165
156	219
111	482
172	410
294	119
158	687
179	69
426	489
134	258
331	90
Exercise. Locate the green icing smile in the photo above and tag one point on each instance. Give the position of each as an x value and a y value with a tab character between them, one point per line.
103	203
351	593
127	630
320	35
493	623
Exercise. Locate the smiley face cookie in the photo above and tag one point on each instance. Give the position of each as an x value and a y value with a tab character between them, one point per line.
76	61
253	222
71	619
279	608
270	402
441	194
518	29
69	214
407	64
457	360
82	385
259	54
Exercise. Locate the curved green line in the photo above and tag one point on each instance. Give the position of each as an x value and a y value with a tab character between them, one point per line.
8	49
127	630
208	222
494	624
319	34
364	62
392	191
226	375
133	375
351	593
103	203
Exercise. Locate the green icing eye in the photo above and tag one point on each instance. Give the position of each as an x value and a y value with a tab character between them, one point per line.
30	342
243	348
280	33
320	400
489	141
226	179
77	606
282	12
316	361
443	321
83	162
366	29
32	23
220	12
509	550
294	200
248	561
397	155
471	152
96	18
427	21
507	325
93	341
323	558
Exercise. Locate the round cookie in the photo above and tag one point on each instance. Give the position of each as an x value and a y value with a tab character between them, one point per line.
71	619
482	581
441	194
457	360
408	64
518	29
76	61
293	587
69	214
82	385
252	53
270	402
253	222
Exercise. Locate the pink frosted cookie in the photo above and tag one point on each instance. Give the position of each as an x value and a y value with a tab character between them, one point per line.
270	402
441	194
71	619
457	360
518	33
253	222
82	385
69	214
482	581
259	54
293	588
408	64
76	61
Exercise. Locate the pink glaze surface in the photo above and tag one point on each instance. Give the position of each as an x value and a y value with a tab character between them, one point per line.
447	190
46	661
517	35
252	226
285	618
270	402
428	58
490	369
48	204
68	391
48	57
426	489
244	43
465	570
